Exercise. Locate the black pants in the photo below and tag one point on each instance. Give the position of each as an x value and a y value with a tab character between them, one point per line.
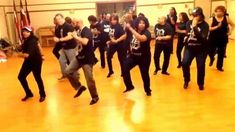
189	55
144	64
172	45
56	50
180	46
119	48
219	48
166	48
35	67
101	47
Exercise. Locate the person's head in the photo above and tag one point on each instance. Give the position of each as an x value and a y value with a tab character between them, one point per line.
59	19
107	17
128	17
198	14
134	17
183	17
173	11
114	19
27	31
78	23
141	24
55	22
92	19
141	15
220	11
162	20
68	20
190	11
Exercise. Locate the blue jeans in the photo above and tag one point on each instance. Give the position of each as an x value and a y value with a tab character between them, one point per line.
189	55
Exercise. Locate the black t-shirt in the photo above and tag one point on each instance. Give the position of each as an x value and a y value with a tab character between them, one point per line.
197	36
97	37
62	31
141	48
85	53
182	26
116	31
30	46
169	21
105	34
163	30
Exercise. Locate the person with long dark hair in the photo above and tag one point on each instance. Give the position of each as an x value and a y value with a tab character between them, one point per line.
97	31
218	37
181	30
117	36
163	32
33	58
139	54
172	19
196	47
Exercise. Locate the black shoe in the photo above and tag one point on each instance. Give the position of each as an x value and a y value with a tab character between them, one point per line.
94	101
62	78
166	73
156	71
185	85
110	74
80	91
148	94
128	90
220	69
179	66
201	87
211	62
42	99
27	97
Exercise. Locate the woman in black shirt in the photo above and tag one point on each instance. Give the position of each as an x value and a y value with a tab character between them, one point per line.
172	19
117	36
218	37
32	54
164	33
196	47
181	30
139	54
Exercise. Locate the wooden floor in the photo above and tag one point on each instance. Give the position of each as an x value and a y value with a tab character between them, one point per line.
170	109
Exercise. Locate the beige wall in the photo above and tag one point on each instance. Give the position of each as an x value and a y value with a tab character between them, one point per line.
154	9
43	11
231	11
3	26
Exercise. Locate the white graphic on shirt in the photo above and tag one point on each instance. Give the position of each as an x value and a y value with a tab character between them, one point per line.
79	47
111	32
135	44
192	39
106	28
160	32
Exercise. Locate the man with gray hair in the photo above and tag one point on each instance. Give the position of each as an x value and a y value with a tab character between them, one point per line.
85	59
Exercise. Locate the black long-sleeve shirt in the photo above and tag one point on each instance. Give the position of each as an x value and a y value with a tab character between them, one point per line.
30	46
197	36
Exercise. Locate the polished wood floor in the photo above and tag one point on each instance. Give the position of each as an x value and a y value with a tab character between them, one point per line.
170	109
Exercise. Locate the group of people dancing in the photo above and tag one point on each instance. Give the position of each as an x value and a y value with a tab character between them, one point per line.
76	44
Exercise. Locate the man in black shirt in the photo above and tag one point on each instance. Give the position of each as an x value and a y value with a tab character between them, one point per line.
196	47
97	31
63	36
164	33
85	59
